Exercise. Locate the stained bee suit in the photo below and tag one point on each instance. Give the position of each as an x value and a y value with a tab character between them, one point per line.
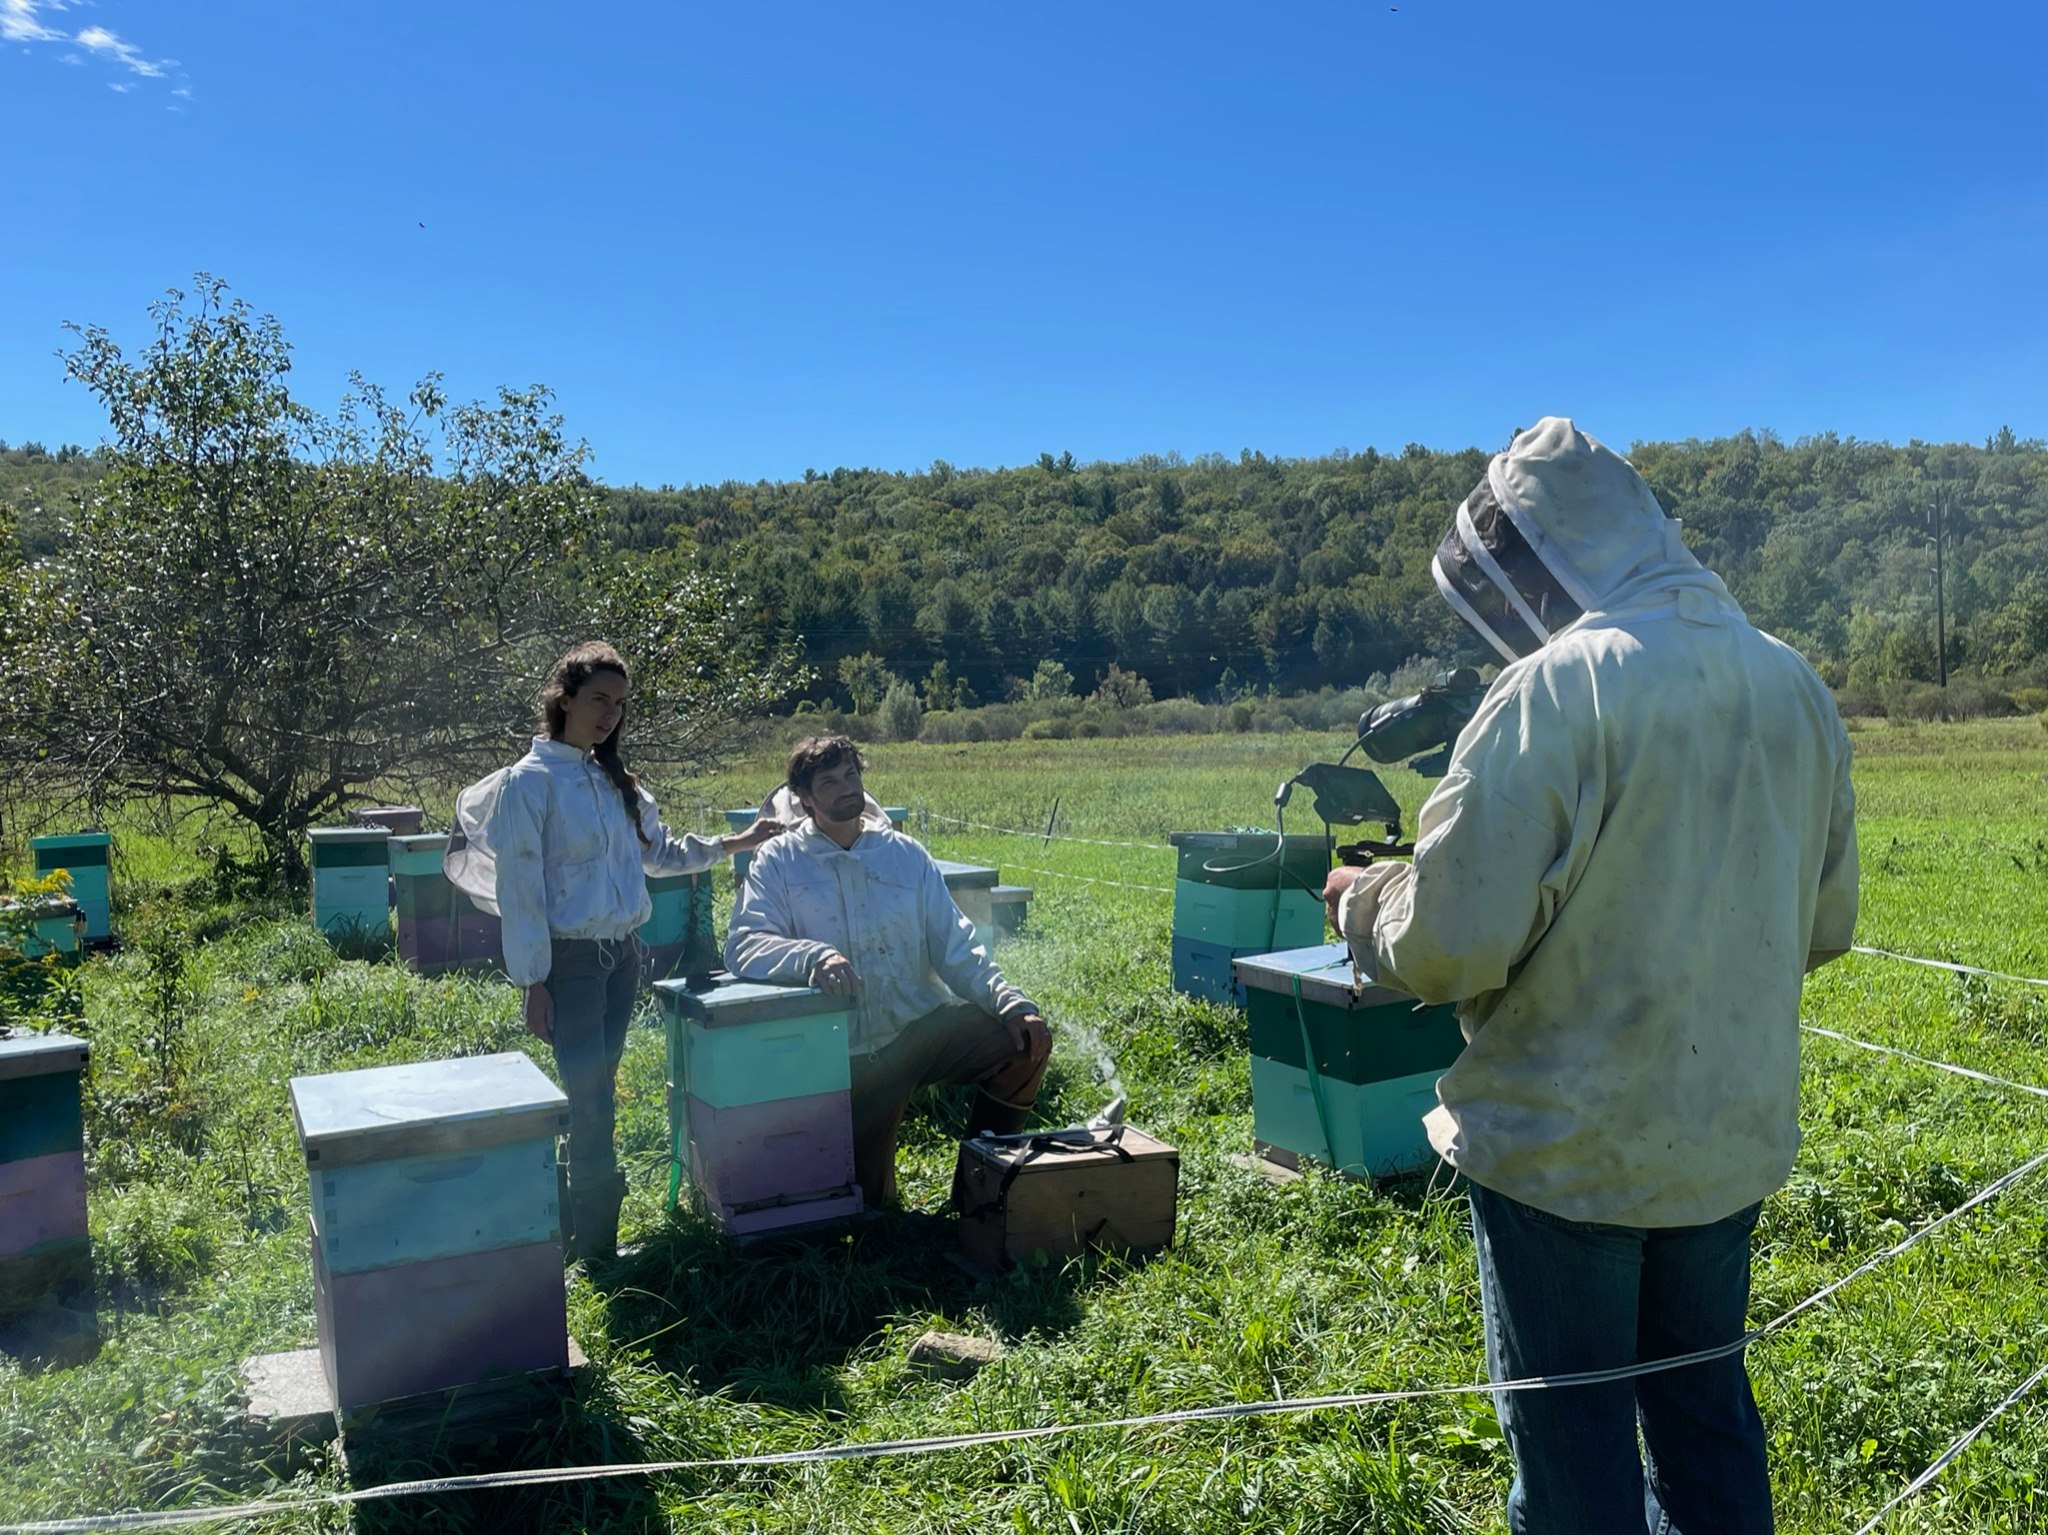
1644	840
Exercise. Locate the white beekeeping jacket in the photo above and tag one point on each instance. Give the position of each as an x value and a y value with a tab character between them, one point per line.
550	848
1646	837
884	905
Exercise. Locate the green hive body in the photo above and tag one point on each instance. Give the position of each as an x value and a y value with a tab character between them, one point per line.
1376	1054
85	857
1237	894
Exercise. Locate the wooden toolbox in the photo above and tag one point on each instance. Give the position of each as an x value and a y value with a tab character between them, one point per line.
1065	1191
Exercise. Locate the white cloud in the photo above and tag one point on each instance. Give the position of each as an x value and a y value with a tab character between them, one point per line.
107	45
123	86
28	21
18	22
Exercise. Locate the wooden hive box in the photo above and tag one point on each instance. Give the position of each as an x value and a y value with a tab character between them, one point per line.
760	1103
680	937
1237	894
56	925
1010	905
973	888
351	880
429	908
437	1253
85	856
1341	1076
1025	1194
399	820
44	1250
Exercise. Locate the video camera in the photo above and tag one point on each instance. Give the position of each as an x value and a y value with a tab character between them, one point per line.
1396	731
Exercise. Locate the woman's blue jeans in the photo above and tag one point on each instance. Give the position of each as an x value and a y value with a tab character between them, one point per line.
1562	1297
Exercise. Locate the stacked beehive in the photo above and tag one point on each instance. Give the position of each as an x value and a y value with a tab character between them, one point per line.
1341	1074
1237	894
439	928
43	1245
973	888
85	857
351	881
760	1103
436	1229
1010	905
679	936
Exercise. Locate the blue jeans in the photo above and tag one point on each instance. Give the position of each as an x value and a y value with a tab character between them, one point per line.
1565	1296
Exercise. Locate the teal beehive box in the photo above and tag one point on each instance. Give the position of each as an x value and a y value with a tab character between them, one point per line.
44	1252
1237	894
679	934
760	1103
351	880
973	888
85	856
1342	1073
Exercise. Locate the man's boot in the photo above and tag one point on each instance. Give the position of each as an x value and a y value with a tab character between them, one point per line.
565	1210
595	1201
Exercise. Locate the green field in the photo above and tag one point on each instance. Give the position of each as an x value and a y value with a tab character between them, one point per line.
698	1351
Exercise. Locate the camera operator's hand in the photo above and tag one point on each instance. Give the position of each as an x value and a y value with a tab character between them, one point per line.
834	975
1335	888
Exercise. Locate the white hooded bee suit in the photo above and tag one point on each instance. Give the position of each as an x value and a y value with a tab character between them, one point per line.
1645	838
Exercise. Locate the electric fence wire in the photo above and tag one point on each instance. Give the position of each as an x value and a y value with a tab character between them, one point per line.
1927	1060
1041	836
879	1449
1947	1457
1945	964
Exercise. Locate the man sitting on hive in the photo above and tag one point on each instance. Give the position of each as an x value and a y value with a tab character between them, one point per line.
847	904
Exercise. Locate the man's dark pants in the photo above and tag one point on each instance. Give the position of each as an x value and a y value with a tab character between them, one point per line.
1562	1297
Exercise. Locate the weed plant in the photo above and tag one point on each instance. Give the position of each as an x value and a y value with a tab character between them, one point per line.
699	1349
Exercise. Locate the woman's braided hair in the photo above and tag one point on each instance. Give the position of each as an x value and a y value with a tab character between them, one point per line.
566	681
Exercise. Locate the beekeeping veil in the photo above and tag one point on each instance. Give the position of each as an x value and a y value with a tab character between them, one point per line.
1560	527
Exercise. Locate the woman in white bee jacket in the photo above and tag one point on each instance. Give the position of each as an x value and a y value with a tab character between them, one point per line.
1644	841
560	845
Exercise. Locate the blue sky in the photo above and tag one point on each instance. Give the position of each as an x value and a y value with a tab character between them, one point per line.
743	240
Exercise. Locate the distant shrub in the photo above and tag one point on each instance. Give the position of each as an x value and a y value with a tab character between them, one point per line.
2030	700
1240	718
1858	703
901	716
1054	729
1178	717
1965	698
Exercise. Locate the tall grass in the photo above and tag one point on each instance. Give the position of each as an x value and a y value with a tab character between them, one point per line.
701	1350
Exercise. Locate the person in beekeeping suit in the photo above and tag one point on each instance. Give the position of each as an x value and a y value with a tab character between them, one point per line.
1644	841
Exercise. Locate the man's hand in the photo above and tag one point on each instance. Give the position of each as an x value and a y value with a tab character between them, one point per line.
1341	879
540	1013
761	831
834	974
1031	1035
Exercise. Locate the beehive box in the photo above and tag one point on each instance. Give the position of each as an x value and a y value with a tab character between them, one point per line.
399	820
973	888
680	938
86	857
1237	894
44	1249
56	925
436	1234
351	881
1066	1192
760	1103
1010	905
1341	1076
439	928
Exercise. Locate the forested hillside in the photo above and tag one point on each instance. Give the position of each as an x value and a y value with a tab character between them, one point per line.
1214	576
1303	573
